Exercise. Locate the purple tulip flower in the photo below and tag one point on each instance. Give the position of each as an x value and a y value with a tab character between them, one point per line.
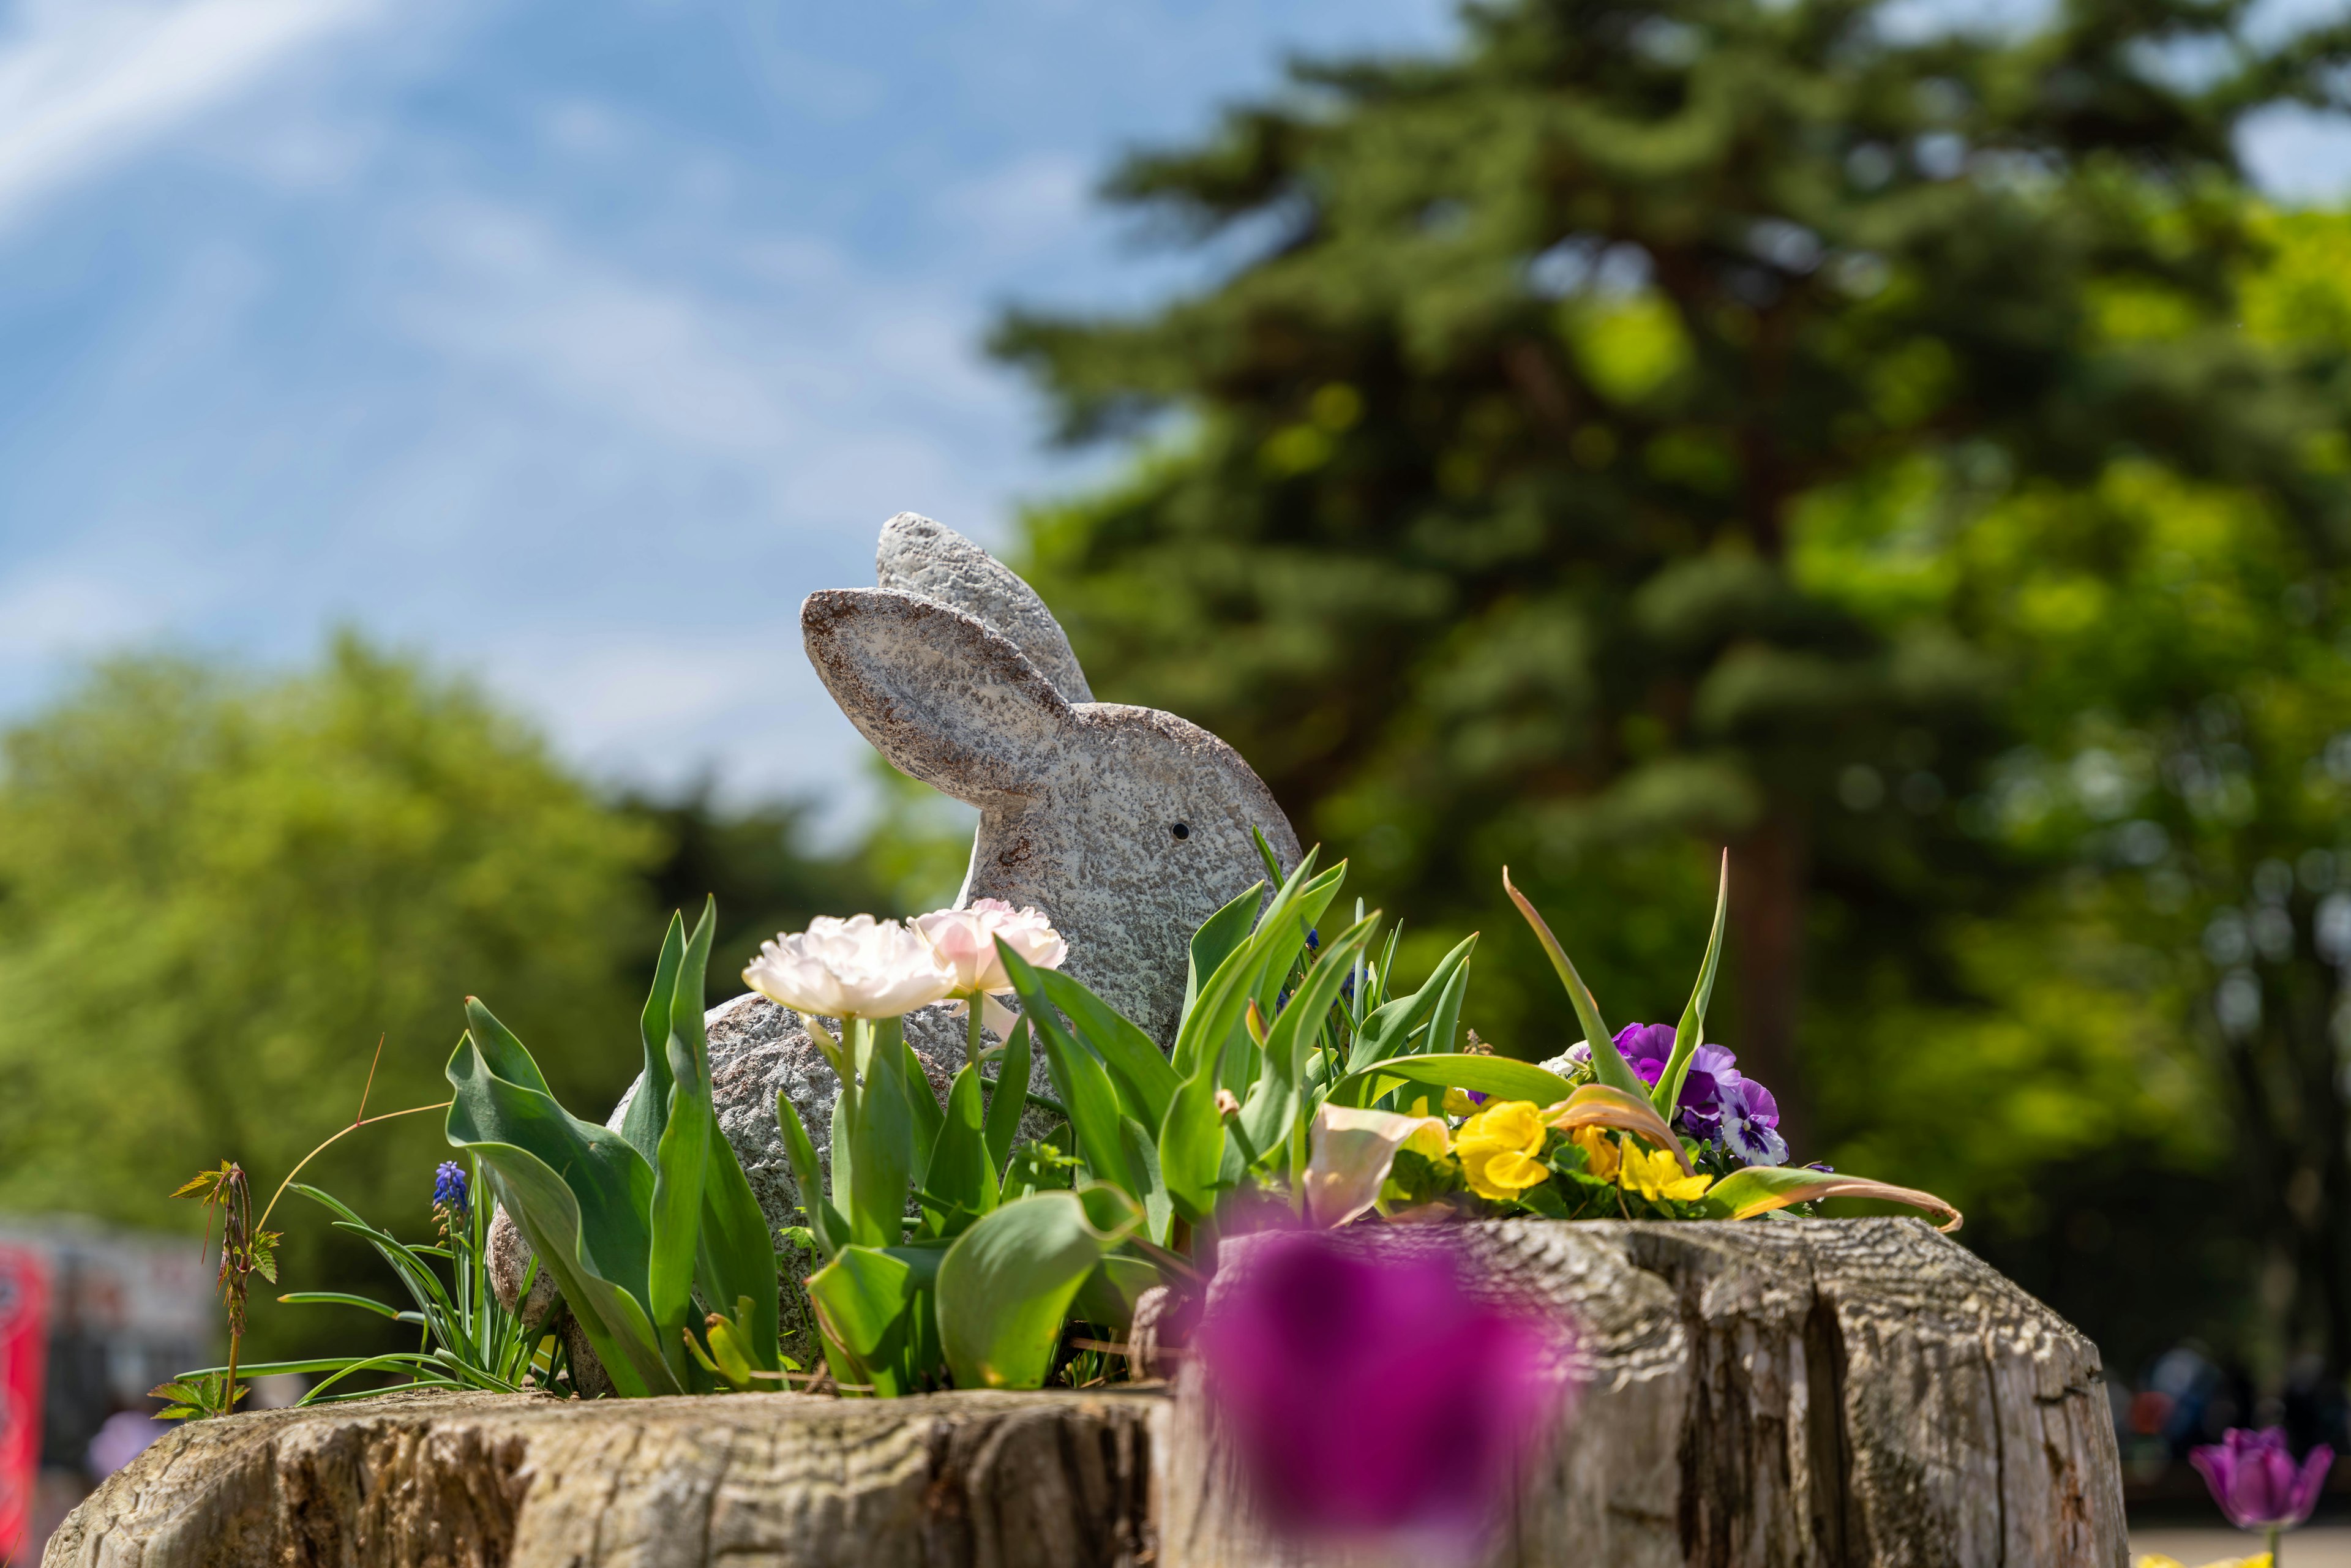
2254	1479
1369	1393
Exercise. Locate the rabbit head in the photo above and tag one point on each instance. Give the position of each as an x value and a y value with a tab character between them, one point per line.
1127	826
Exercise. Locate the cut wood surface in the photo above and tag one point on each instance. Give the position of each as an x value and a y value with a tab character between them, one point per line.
1804	1394
475	1480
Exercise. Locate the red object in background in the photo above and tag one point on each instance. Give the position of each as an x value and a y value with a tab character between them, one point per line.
24	1355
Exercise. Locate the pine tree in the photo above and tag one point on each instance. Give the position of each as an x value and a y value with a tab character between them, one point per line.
1472	500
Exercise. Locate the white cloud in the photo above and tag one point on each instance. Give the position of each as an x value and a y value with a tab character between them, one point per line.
85	83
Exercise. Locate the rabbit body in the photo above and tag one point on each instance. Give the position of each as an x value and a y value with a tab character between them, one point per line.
1127	826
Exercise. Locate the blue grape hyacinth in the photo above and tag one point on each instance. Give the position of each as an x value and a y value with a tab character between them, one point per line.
449	1190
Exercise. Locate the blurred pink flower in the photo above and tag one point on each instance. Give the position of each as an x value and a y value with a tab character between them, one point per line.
2254	1479
1369	1393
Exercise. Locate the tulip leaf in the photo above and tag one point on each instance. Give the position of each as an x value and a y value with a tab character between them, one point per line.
1218	937
1601	1106
1079	1077
1385	1031
959	1183
921	1104
684	1151
550	1217
1273	1104
1668	1091
500	1098
1501	1077
1214	1016
1143	1159
1192	1142
825	1222
868	1303
1145	1081
1004	1105
881	1137
1759	1190
736	1259
649	1107
1608	1064
1006	1283
1109	1294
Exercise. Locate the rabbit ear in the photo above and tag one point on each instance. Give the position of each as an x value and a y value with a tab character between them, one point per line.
919	555
941	696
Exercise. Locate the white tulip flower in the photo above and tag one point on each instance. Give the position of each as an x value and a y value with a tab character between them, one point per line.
857	968
964	940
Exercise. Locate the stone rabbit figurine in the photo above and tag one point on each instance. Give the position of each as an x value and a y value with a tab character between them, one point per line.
1127	826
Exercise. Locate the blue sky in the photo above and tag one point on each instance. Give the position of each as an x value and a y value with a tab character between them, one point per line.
570	344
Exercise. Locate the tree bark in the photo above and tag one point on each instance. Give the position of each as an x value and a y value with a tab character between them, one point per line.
1810	1393
1769	870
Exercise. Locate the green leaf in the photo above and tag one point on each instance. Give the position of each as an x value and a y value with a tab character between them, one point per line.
1079	1077
1274	1105
1004	1106
1212	1021
1668	1091
613	1184
1008	1282
1218	937
959	1184
881	1137
865	1300
1192	1142
825	1222
922	1102
1608	1064
613	1318
1143	1159
1110	1293
649	1107
342	1298
1497	1076
1759	1190
1383	1033
683	1155
1145	1079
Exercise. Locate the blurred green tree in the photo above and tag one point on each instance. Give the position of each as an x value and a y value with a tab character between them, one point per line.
1472	525
218	894
756	859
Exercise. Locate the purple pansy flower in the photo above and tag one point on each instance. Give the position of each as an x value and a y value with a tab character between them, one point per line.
2254	1479
1750	1125
1372	1394
1709	1089
1645	1048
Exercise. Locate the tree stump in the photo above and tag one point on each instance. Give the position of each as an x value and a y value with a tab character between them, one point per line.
1768	1394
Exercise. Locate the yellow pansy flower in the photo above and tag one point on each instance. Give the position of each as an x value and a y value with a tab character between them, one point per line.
1496	1148
1655	1174
1459	1103
1600	1156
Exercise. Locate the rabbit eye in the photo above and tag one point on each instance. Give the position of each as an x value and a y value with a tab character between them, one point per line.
1180	830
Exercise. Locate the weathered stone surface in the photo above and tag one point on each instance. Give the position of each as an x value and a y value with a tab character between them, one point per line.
956	671
1805	1394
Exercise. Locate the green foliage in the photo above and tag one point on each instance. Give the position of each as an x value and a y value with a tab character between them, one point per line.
634	1225
221	892
1739	421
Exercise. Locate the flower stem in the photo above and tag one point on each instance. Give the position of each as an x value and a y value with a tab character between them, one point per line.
2273	1546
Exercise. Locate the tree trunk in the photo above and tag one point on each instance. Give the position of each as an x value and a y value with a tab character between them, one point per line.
1769	870
1810	1393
